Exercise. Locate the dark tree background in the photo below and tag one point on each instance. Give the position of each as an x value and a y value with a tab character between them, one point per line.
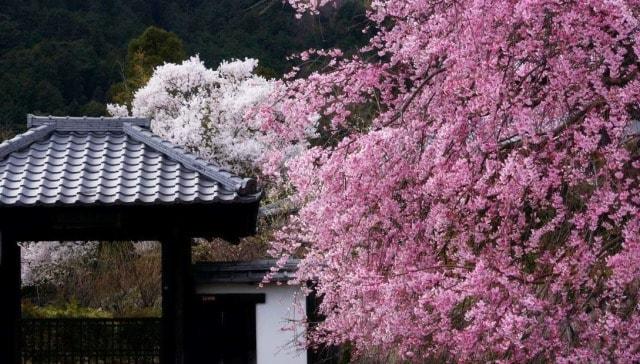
64	56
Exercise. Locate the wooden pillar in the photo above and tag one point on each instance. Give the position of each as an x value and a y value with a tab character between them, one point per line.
176	298
9	299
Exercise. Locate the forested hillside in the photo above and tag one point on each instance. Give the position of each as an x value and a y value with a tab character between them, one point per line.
63	56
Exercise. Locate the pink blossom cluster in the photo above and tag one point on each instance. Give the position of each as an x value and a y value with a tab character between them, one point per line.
475	194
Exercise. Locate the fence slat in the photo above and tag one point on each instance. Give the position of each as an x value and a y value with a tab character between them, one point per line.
79	341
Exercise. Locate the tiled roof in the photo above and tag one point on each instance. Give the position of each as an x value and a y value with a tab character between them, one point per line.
108	161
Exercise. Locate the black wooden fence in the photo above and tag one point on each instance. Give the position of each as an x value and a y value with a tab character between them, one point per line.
91	341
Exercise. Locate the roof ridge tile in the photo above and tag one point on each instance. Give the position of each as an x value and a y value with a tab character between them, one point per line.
86	123
25	139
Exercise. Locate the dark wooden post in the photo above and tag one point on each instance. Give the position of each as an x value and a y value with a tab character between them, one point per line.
176	291
9	299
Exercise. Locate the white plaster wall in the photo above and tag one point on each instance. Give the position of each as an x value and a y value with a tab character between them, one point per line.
273	344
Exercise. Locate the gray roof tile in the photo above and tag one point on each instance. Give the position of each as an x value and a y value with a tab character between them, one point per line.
108	161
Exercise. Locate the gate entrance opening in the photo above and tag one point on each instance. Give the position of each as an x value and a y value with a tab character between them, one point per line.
226	329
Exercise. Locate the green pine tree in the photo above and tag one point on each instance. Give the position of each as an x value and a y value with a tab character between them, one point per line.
152	48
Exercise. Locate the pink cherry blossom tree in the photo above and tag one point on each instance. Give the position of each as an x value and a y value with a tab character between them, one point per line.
475	193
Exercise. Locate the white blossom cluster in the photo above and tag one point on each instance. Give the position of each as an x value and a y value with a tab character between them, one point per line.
46	261
205	110
42	261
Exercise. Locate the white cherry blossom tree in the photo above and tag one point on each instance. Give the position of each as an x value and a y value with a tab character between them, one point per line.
205	110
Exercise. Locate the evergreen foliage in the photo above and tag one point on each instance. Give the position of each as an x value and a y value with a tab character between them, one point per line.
152	48
63	56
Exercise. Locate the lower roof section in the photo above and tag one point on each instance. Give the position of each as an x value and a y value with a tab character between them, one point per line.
242	272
